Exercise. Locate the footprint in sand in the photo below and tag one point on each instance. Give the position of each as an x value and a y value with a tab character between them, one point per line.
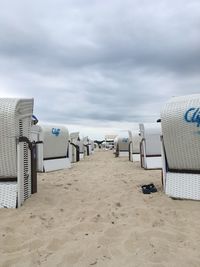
34	245
58	185
47	222
118	204
109	236
97	218
13	245
158	223
56	244
72	258
151	241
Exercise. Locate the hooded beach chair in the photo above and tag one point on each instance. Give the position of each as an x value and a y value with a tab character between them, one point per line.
92	146
15	151
121	145
81	148
86	146
52	147
180	121
134	145
74	154
109	141
150	146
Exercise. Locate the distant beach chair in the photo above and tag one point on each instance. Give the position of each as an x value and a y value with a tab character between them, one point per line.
134	145
121	145
109	141
52	147
81	148
92	146
150	146
86	146
74	154
180	121
16	184
89	146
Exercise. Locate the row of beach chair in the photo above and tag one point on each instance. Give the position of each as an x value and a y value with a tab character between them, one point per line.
27	148
173	145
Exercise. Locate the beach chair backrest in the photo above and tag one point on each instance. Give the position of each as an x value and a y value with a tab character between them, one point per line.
123	143
136	139
55	140
15	153
180	120
15	122
74	137
85	140
151	133
81	146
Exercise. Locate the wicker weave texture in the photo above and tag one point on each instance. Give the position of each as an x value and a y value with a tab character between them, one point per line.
11	112
81	147
123	143
183	185
181	137
8	195
55	139
136	139
151	133
74	136
85	140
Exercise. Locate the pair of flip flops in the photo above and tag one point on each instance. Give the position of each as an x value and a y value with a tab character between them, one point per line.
149	188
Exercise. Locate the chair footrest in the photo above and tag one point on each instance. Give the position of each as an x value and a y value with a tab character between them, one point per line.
183	185
8	195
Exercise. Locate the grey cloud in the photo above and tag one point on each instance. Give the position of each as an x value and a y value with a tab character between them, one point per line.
99	61
143	38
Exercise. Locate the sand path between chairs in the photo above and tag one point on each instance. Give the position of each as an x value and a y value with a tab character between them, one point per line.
95	214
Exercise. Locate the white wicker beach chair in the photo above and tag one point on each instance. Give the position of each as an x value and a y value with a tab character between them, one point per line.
81	149
109	141
86	146
121	145
115	146
134	145
92	146
52	147
74	147
150	146
180	120
15	154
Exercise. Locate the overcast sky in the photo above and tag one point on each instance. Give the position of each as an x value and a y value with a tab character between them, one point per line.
99	65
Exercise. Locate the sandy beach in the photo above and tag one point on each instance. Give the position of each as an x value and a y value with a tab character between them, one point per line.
95	214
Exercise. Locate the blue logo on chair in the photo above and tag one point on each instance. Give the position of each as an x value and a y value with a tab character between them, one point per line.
55	131
192	115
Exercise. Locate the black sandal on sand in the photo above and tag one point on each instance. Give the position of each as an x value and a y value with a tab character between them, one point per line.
152	188
145	189
149	188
